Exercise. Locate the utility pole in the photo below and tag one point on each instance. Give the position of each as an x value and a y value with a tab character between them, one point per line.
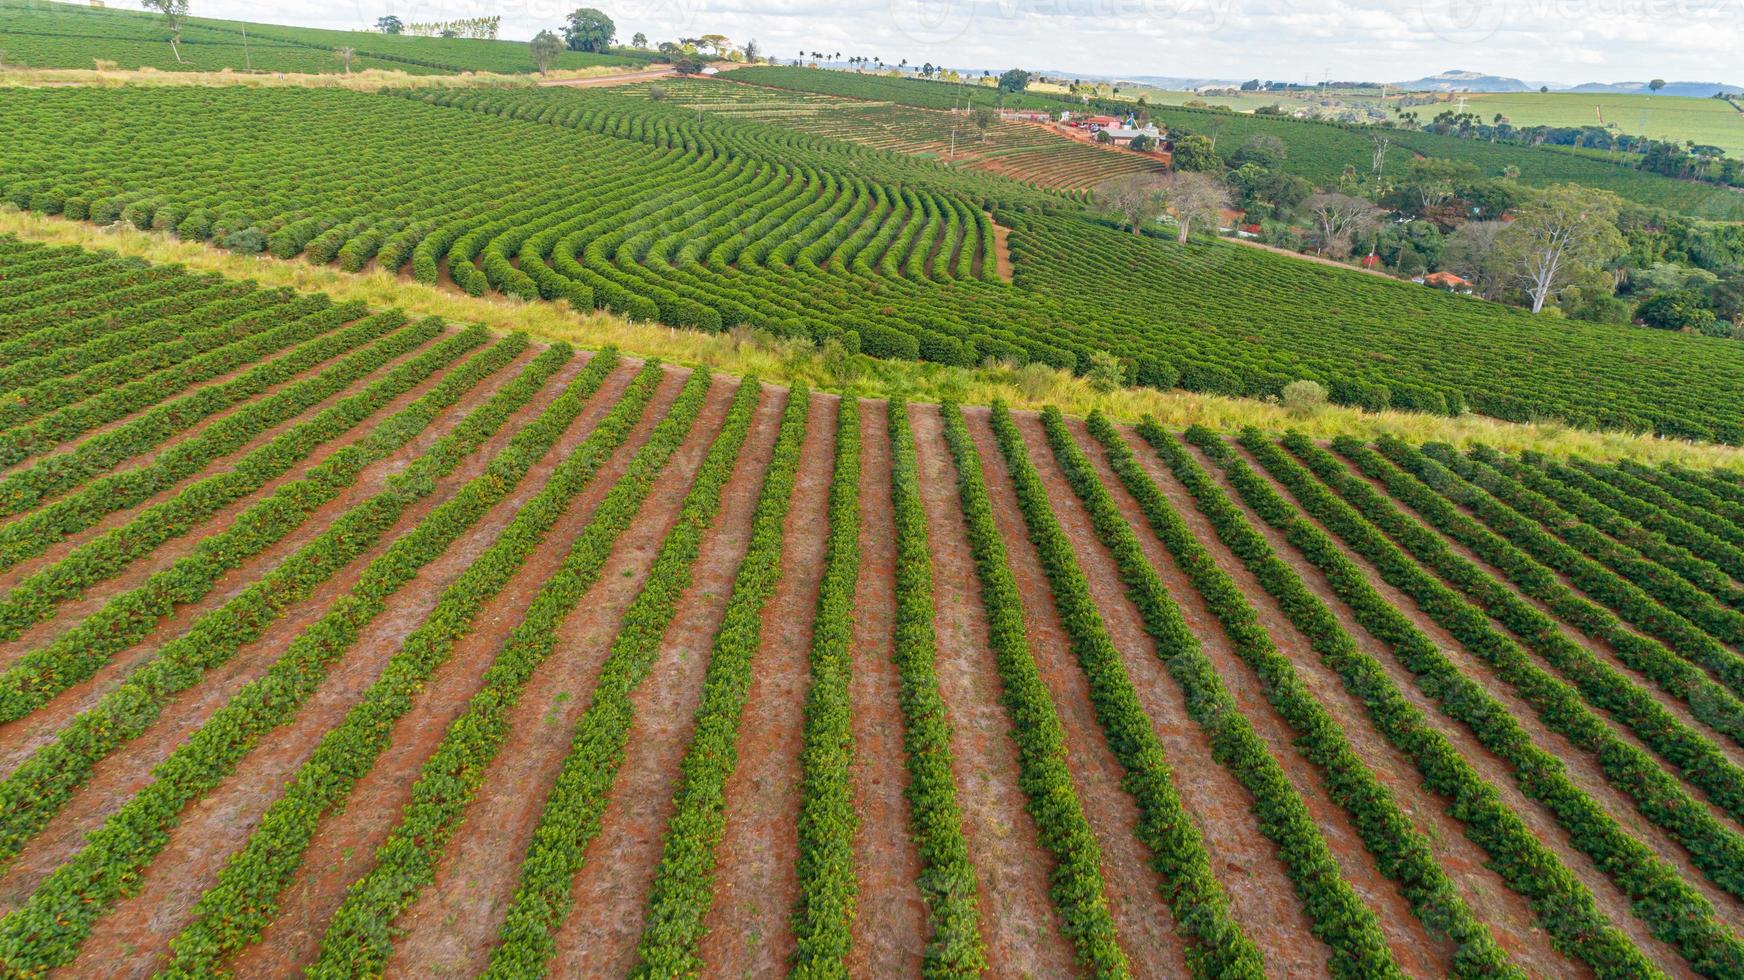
247	63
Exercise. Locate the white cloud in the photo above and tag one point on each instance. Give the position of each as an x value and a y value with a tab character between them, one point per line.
1379	40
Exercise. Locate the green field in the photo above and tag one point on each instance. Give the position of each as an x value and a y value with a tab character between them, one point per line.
1709	122
712	221
41	34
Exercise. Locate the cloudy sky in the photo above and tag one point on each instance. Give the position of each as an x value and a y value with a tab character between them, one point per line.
1380	40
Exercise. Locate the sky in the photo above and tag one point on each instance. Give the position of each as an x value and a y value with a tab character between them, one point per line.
1569	41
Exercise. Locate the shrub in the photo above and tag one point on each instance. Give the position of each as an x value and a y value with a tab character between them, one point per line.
1304	398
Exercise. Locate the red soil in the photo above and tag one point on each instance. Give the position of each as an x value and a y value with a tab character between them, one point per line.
756	880
890	927
1018	918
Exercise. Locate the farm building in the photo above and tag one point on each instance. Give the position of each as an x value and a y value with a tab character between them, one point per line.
1124	135
1026	115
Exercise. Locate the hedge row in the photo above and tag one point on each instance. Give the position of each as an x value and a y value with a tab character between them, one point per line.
1707	701
1078	890
1633	481
359	936
46	780
1339	917
1401	852
1729	511
572	813
1651	517
35	597
955	947
1687	751
233	913
683	887
1675	911
823	921
1483	468
28	487
1562	903
1628	601
48	928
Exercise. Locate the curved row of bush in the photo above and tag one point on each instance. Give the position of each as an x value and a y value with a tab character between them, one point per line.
358	938
823	921
1685	750
1079	892
47	929
1708	702
43	782
1674	910
1339	918
233	913
35	597
682	890
1401	852
572	813
954	946
1562	904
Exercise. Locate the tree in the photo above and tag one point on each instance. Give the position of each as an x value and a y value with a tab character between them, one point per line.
716	43
639	40
983	118
1472	254
752	51
1563	234
1138	199
1194	198
670	51
389	24
1656	84
174	12
1339	219
1195	154
589	30
1141	143
1264	149
345	55
1013	80
1683	309
545	49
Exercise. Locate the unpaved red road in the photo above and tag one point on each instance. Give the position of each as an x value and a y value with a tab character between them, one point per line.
890	928
611	891
1018	918
1508	915
756	878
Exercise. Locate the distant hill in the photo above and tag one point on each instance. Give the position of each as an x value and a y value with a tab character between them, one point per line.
1695	90
1469	81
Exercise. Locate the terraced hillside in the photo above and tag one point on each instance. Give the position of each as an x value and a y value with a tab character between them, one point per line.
337	642
1319	152
1025	152
44	34
607	200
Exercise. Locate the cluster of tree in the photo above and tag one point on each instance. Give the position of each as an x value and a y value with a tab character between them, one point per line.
478	28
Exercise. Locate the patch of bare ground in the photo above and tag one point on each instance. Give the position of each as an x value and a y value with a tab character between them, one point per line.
1509	916
756	879
19	738
1600	649
611	891
600	935
345	848
1582	766
1012	869
217	824
1611	901
890	927
1145	926
1001	249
